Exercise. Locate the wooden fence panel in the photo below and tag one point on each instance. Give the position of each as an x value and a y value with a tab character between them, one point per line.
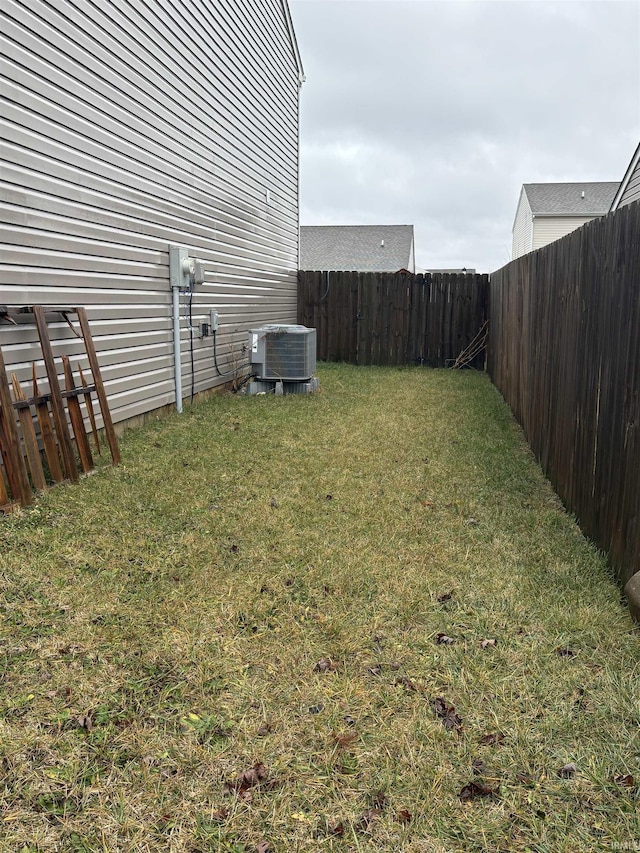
564	350
393	318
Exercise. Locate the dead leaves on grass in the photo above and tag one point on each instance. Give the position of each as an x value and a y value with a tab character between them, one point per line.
326	665
366	822
447	713
492	739
565	652
344	740
473	790
366	819
247	780
405	682
568	771
373	813
377	668
85	721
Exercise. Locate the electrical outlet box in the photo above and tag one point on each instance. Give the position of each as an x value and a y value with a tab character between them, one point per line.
214	320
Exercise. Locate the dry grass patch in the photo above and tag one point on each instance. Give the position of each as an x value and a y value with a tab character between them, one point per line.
359	621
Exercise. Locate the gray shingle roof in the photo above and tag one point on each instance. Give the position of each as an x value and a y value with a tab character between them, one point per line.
567	200
356	247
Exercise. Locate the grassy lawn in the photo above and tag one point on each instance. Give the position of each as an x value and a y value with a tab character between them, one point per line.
239	640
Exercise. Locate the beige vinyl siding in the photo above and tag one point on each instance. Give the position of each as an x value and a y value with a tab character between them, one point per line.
632	190
522	228
629	189
546	229
130	127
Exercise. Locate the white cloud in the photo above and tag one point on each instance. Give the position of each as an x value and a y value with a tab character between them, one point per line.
435	113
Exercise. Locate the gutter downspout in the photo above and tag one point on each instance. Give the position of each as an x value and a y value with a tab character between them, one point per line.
176	346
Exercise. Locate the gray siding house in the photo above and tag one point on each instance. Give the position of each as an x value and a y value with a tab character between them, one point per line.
547	212
127	127
629	190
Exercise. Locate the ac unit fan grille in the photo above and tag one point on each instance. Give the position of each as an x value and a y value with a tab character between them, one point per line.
287	356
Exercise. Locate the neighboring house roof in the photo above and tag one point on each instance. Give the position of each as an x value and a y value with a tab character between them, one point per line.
470	270
368	248
632	171
579	199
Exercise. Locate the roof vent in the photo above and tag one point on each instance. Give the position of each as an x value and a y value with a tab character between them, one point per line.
582	194
382	244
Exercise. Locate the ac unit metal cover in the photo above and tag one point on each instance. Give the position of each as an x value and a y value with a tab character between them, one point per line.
285	352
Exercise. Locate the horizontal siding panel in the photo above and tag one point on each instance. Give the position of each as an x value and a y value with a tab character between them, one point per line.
113	148
32	239
25	248
97	264
522	228
39	239
94	39
113	138
148	55
147	331
546	229
88	188
26	207
632	190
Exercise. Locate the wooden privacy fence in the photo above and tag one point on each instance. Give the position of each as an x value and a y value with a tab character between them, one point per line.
393	318
564	350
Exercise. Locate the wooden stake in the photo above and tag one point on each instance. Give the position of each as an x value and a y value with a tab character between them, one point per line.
4	495
77	422
46	431
14	463
29	437
57	406
97	381
92	414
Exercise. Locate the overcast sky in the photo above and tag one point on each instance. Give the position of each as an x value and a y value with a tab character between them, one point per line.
435	112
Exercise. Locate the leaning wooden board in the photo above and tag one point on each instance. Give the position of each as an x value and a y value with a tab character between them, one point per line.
97	381
77	422
29	435
56	439
11	448
57	405
46	431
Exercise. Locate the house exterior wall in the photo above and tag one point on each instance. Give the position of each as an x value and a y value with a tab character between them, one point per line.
629	189
522	228
632	190
126	130
546	229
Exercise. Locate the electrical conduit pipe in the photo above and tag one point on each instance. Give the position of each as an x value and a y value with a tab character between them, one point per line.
176	347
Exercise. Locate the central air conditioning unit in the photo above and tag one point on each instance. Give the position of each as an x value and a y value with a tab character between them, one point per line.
283	359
